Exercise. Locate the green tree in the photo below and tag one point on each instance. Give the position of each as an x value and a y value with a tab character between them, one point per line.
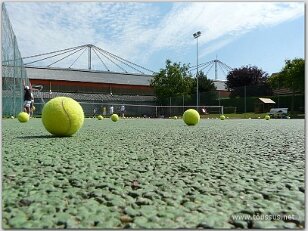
275	81
207	89
173	80
291	76
204	84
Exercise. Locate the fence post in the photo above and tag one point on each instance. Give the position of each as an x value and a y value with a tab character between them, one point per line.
183	104
278	92
14	76
245	98
170	107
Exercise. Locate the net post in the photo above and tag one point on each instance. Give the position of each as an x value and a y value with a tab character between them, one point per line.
156	111
170	106
183	104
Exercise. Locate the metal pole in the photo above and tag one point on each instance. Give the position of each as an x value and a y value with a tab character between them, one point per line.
170	107
197	77
14	78
219	98
245	97
278	93
89	57
197	35
183	104
216	68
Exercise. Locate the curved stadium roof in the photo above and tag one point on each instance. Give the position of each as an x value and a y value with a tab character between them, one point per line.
91	76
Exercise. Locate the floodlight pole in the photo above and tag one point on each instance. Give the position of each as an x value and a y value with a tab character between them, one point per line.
196	36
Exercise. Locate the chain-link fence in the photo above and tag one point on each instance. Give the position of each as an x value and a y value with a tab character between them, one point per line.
100	104
245	100
241	100
251	99
13	71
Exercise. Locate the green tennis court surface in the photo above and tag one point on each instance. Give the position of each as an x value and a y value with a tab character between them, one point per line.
154	173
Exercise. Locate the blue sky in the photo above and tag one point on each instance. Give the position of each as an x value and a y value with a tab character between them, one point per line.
263	34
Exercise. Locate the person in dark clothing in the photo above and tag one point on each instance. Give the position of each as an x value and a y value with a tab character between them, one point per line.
27	99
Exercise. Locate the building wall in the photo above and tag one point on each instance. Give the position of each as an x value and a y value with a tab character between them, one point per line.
224	94
88	87
89	81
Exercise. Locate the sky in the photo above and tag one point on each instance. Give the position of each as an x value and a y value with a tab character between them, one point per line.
262	34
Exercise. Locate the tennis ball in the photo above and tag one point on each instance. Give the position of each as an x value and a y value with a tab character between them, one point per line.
62	116
100	117
12	117
114	117
191	117
33	108
175	117
222	117
23	117
267	117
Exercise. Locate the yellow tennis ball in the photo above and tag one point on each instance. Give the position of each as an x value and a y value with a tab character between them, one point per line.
222	117
62	116
191	117
23	117
100	117
267	117
114	117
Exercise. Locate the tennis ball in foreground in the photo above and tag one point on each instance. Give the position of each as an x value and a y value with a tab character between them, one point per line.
191	117
267	117
62	116
100	117
114	117
23	117
222	117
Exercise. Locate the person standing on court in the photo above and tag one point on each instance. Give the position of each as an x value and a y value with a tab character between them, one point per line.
27	99
94	112
122	111
32	108
111	110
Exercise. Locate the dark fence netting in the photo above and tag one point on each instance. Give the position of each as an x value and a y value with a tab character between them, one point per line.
13	70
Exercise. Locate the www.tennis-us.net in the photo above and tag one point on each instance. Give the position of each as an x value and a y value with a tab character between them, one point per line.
264	217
